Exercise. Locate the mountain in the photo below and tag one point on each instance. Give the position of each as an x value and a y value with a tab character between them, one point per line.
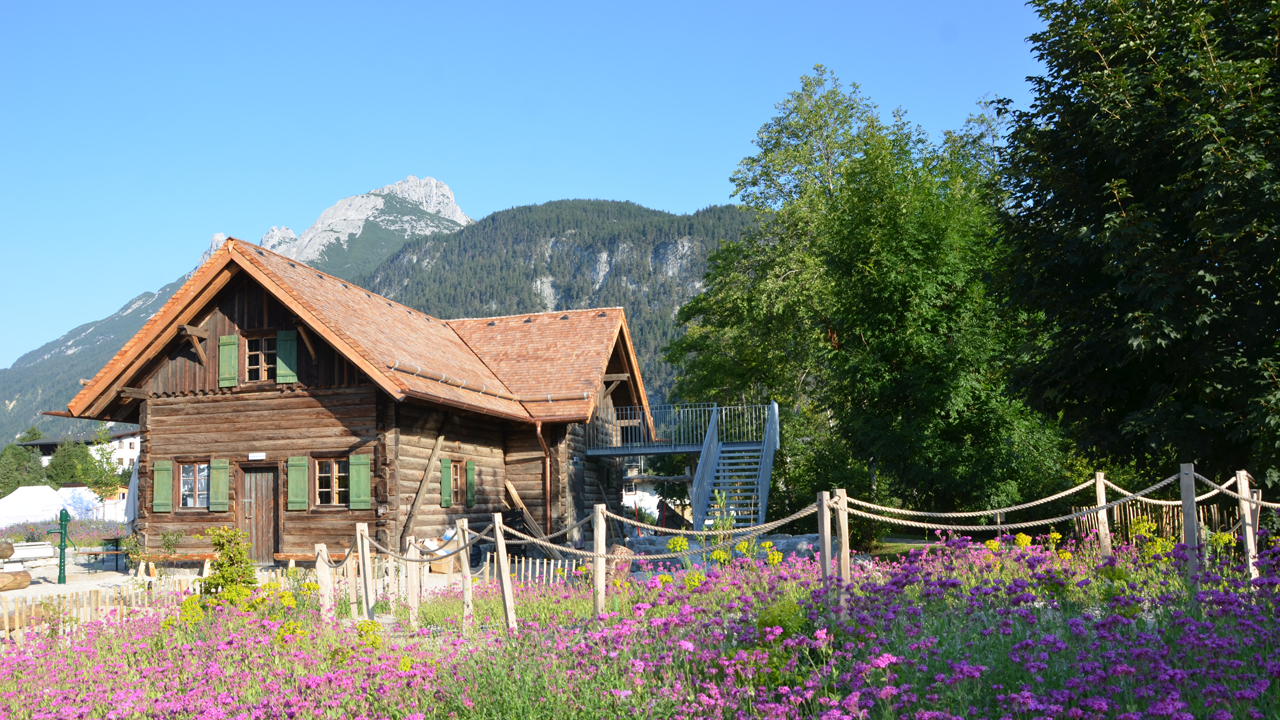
565	255
351	237
356	233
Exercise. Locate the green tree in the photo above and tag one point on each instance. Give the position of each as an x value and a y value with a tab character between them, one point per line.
100	472
861	304
65	467
19	466
30	434
1141	222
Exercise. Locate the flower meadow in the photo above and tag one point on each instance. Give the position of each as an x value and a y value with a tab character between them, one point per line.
1006	629
82	532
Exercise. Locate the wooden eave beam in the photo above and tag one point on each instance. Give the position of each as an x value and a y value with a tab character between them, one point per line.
130	393
306	340
138	355
196	334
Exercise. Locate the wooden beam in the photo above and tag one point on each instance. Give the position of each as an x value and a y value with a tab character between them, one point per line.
194	331
195	343
612	386
306	340
84	382
57	413
134	393
616	377
407	530
529	521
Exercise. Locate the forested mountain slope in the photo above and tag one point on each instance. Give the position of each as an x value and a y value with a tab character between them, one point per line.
564	255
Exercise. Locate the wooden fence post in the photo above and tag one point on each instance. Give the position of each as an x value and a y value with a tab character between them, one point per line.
464	563
842	528
1104	525
366	571
504	573
597	563
350	570
412	580
1247	529
824	534
1190	525
324	578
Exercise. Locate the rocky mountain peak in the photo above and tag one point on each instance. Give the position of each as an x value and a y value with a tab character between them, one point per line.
215	242
278	237
432	195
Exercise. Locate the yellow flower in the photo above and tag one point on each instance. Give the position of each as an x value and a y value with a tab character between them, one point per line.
1064	554
743	547
677	544
693	580
993	545
406	664
720	556
287	599
1022	540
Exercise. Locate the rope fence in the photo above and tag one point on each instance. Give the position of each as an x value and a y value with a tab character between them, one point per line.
364	577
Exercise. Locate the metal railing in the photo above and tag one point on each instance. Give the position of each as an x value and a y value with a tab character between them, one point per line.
674	426
657	426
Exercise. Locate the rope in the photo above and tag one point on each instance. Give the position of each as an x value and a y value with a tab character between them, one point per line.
1171	503
758	530
345	559
1015	526
975	513
557	533
431	558
673	531
1225	491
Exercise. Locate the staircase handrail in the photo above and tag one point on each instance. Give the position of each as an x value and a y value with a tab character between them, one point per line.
705	475
767	448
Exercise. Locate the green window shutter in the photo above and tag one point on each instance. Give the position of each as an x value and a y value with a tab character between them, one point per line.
219	484
471	484
446	482
298	485
162	486
287	356
360	476
228	360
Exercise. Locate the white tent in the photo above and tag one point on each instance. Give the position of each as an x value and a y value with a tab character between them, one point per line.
81	502
34	503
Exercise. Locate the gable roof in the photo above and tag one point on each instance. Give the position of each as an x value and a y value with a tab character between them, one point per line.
469	364
555	353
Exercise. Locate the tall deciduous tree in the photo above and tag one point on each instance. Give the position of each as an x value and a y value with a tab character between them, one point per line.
861	305
1142	226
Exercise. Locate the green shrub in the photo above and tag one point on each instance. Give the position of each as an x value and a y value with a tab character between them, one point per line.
232	567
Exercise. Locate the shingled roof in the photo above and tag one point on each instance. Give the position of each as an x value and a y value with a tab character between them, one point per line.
524	368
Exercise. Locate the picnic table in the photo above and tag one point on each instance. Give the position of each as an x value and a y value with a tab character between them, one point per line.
110	546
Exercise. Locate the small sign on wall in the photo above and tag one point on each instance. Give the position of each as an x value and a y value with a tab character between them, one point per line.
258	456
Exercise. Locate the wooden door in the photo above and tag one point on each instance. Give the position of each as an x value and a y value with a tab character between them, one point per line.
260	513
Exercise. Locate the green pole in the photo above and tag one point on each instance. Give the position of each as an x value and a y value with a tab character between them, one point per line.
64	517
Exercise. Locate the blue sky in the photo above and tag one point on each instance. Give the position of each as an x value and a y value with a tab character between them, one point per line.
133	132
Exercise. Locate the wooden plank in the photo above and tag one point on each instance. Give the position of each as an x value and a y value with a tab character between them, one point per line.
530	523
616	377
421	495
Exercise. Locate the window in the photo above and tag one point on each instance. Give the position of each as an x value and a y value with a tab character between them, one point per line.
130	444
195	486
260	362
333	482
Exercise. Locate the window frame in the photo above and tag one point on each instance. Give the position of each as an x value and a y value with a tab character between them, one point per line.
182	494
336	500
458	480
245	354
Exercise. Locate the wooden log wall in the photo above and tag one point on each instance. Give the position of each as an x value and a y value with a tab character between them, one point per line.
467	437
281	423
243	308
586	479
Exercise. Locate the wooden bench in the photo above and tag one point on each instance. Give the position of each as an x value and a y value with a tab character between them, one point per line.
97	555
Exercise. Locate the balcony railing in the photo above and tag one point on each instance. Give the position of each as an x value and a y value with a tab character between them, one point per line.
673	428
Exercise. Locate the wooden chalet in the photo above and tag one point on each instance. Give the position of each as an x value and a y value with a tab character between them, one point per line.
292	404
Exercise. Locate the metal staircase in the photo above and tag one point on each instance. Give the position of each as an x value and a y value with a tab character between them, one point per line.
735	460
